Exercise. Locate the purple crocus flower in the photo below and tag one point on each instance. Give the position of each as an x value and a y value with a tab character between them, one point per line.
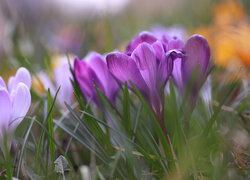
93	70
147	64
196	52
14	102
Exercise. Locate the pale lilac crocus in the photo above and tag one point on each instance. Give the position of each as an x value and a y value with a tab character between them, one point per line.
61	78
93	70
15	101
147	64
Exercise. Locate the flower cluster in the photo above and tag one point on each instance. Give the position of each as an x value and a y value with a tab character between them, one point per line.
149	61
15	101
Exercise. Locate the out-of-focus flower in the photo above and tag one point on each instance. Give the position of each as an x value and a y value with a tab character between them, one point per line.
229	37
15	101
175	31
60	77
89	8
93	70
65	39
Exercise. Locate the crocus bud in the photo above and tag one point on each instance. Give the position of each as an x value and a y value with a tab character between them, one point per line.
197	52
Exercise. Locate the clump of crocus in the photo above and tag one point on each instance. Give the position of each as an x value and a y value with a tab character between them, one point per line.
93	70
148	65
60	77
15	101
149	62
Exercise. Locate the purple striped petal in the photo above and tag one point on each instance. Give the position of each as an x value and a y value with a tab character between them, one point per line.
159	51
124	69
145	58
20	105
5	109
142	37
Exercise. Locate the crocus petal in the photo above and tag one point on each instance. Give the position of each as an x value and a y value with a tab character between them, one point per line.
167	66
62	76
11	83
2	83
159	51
197	52
22	75
175	43
20	105
86	78
177	74
145	58
5	109
124	69
173	55
142	37
98	64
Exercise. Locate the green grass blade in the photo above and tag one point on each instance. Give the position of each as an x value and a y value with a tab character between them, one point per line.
8	158
57	146
51	131
126	110
23	146
39	145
